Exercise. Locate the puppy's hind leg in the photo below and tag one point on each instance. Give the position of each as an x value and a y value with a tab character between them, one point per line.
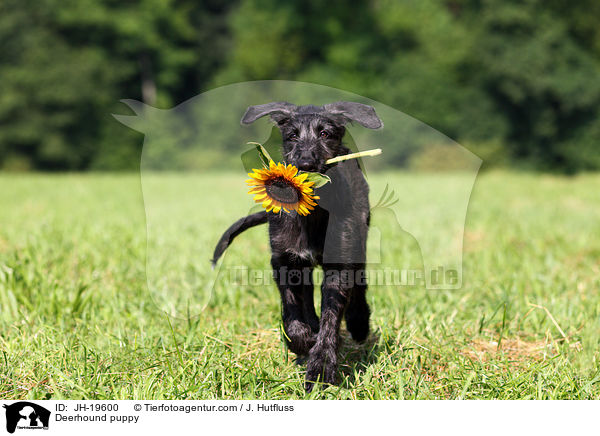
357	313
310	315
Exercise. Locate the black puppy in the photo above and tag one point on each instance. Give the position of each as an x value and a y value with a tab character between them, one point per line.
334	235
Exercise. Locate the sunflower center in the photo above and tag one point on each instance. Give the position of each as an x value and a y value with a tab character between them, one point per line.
283	191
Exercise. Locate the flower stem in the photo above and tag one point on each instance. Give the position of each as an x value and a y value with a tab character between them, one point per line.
373	152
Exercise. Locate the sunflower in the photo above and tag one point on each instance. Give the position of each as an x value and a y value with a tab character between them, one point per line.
281	187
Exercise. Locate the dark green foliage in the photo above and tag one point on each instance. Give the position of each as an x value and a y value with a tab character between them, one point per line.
66	63
514	81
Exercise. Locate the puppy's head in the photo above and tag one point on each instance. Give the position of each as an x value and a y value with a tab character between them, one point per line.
313	134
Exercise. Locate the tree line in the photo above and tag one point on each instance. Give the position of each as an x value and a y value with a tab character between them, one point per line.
515	81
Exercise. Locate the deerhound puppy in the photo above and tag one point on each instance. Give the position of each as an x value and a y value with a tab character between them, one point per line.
333	235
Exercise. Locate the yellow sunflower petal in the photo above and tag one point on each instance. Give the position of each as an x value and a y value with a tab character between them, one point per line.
259	177
292	171
259	198
301	178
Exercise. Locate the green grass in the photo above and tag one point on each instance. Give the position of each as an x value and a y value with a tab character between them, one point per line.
77	318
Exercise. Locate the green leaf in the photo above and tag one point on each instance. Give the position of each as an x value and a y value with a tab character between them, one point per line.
318	178
265	157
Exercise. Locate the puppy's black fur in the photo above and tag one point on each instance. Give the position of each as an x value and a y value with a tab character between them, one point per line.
334	235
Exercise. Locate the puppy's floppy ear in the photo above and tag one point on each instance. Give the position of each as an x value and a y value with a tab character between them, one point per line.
278	110
361	113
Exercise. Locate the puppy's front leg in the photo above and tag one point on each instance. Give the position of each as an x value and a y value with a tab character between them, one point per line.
291	279
338	254
322	359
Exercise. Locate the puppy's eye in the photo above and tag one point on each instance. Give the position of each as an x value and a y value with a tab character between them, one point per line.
293	136
324	134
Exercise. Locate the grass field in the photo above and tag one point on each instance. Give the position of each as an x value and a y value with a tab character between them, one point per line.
77	320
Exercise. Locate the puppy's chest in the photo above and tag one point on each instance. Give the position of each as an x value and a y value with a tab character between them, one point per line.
301	237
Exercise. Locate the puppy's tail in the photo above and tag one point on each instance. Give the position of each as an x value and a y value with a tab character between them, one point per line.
236	228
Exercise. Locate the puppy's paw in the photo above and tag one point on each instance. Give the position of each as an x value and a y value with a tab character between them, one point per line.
321	366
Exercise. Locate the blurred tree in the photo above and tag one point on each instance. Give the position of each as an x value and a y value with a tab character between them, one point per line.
514	80
50	92
541	80
66	63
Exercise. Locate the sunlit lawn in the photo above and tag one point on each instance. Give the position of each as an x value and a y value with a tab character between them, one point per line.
77	318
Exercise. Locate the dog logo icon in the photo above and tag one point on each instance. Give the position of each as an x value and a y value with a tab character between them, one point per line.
26	415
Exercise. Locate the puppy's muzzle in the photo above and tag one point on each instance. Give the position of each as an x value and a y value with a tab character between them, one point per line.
307	165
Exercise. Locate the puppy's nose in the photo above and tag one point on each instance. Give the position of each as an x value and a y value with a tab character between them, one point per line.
306	165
